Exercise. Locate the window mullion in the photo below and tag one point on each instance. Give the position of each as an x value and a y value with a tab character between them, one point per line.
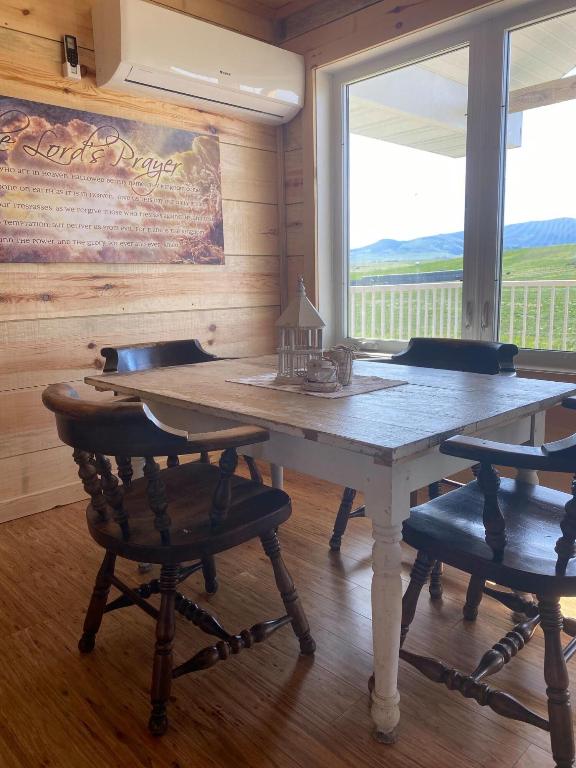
484	181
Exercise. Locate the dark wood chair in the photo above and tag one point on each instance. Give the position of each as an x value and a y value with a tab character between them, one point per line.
519	536
142	357
171	517
157	354
488	357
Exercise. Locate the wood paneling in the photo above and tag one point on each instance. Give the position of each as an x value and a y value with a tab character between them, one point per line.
295	269
62	290
294	219
25	425
248	175
254	228
314	15
293	133
54	318
40	352
374	25
33	477
294	176
51	20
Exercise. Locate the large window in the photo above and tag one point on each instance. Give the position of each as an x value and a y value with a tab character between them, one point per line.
456	193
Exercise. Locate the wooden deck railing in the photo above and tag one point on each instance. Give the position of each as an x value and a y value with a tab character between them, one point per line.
534	313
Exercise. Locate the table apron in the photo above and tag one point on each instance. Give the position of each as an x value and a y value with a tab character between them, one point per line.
338	465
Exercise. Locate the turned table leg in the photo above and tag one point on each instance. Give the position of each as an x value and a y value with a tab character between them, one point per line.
387	504
386	620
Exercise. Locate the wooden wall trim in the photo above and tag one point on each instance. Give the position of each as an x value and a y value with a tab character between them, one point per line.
376	24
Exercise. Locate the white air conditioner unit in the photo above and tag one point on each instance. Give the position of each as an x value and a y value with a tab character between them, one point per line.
142	48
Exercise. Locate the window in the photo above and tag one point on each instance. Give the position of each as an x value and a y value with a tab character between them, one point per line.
455	175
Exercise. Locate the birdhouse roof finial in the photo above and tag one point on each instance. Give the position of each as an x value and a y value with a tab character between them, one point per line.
300	312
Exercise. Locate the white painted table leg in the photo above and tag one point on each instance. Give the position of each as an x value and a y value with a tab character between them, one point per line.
530	476
537	437
277	473
386	618
387	497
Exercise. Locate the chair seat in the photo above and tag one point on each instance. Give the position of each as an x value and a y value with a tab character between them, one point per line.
450	528
256	509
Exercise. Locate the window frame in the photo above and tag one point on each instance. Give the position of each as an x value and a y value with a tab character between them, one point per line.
485	32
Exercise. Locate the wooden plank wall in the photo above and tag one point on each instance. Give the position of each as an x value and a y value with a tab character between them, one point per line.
54	318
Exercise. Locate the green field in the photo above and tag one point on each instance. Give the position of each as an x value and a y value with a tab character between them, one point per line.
556	262
549	263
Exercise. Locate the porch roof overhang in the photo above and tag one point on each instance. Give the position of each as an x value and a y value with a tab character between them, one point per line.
424	105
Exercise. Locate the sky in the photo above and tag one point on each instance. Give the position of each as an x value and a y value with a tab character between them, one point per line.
403	193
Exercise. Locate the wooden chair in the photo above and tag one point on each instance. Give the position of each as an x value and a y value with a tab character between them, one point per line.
519	536
142	357
488	357
171	517
157	354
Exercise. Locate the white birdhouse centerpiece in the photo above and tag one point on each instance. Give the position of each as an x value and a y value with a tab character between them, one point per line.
300	328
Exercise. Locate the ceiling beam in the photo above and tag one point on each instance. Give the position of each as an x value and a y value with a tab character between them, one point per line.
316	14
543	94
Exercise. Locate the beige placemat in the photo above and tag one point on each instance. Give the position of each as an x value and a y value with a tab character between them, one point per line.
359	385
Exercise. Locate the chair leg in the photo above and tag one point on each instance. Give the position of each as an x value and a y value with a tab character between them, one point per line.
288	593
163	661
557	683
342	518
435	587
418	577
98	602
474	597
209	573
125	470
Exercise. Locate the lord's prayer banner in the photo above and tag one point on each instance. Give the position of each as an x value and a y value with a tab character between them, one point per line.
81	187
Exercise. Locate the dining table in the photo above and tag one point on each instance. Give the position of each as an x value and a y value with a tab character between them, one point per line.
385	443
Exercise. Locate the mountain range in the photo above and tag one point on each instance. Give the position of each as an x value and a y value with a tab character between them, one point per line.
530	234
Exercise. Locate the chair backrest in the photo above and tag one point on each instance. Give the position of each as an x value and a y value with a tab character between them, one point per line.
119	427
97	429
492	357
159	354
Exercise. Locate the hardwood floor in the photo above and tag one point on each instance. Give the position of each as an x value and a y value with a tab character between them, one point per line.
267	708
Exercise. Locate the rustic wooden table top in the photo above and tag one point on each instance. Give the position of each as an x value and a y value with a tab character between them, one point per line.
390	423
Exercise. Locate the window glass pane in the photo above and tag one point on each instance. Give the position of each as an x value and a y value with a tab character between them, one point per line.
406	175
538	290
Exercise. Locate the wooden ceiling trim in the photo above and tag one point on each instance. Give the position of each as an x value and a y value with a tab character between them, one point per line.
287	8
297	18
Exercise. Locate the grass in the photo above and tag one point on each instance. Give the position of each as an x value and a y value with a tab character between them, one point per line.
555	262
550	263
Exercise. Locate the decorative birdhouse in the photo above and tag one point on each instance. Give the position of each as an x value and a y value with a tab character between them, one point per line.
300	338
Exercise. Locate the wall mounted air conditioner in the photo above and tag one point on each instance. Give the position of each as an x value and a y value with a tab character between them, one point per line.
146	49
